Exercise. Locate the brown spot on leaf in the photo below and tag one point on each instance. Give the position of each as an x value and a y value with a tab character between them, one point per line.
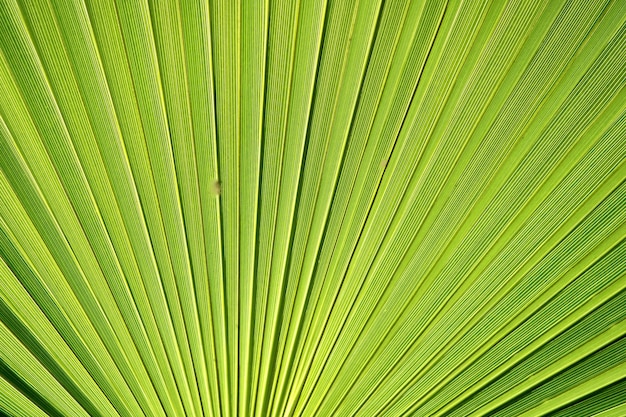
216	187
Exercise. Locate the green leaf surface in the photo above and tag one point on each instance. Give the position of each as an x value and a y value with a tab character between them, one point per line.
312	208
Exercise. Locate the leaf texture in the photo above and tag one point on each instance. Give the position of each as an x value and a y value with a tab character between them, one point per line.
312	208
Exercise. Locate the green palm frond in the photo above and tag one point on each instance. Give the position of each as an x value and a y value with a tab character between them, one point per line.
312	208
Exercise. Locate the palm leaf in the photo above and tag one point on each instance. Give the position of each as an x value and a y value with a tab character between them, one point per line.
312	208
